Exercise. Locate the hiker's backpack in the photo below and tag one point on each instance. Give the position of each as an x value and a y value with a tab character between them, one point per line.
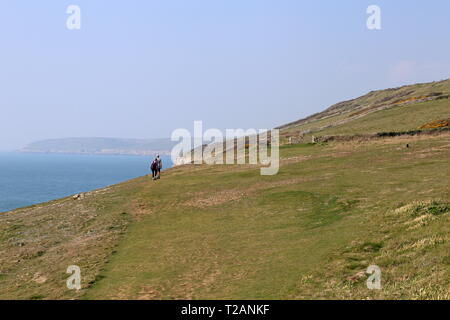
154	165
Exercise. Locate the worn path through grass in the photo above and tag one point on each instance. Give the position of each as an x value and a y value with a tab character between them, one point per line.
227	232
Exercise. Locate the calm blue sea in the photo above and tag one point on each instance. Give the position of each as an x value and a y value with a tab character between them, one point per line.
27	179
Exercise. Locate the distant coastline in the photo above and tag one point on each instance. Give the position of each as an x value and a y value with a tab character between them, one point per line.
101	146
101	152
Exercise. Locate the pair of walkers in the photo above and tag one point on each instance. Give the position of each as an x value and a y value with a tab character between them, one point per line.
156	167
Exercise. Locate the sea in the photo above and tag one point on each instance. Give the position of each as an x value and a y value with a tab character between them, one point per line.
31	178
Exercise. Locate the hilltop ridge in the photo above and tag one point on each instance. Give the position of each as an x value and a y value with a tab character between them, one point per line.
346	112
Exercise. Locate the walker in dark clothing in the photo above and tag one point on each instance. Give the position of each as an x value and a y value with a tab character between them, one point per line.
154	168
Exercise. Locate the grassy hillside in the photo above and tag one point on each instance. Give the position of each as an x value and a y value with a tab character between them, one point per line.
306	233
404	108
226	232
400	118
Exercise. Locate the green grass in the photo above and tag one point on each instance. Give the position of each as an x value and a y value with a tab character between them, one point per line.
282	237
226	232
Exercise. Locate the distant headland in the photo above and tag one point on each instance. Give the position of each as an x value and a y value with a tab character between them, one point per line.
110	146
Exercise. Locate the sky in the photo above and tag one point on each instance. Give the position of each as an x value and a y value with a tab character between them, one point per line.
143	68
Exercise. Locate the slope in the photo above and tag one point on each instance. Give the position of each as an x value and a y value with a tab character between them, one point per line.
404	108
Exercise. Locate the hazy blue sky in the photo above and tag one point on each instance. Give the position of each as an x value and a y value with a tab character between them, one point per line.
143	68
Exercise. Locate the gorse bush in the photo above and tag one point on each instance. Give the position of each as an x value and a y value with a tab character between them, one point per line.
436	124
